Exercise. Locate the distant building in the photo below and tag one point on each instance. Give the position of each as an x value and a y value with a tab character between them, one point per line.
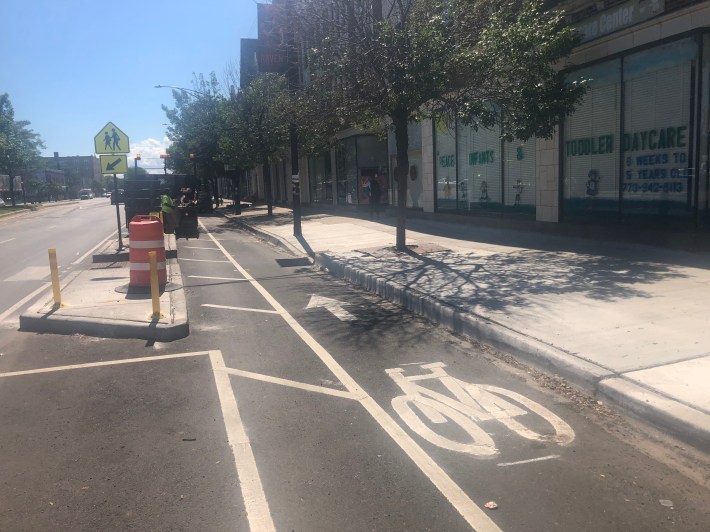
60	177
80	171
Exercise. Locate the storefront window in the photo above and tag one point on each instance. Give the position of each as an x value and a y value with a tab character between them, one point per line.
658	173
519	170
372	162
358	158
320	178
634	158
479	165
445	143
473	177
346	156
703	184
591	144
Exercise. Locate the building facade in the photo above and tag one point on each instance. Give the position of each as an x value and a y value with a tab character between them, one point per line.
635	152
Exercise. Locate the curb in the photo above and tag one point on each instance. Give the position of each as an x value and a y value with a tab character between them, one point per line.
269	237
648	406
582	373
666	414
40	319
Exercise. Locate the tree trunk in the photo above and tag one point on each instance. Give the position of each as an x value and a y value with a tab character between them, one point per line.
12	187
267	185
401	135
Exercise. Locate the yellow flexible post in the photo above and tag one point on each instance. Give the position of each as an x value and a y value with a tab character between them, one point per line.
55	277
154	289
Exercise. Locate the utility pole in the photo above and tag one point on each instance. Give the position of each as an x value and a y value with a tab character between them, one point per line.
293	84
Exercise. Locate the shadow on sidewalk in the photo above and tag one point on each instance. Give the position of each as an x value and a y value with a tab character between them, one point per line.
500	280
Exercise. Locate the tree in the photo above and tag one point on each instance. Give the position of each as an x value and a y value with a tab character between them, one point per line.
135	171
19	146
256	122
195	127
482	62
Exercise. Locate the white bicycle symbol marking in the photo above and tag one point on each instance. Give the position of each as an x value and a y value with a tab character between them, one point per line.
473	403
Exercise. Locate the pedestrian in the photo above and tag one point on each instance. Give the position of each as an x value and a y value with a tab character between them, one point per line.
170	216
374	193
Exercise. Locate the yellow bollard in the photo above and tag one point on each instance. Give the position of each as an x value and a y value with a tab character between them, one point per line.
154	286
55	277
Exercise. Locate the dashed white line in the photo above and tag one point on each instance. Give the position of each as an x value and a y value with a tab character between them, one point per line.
69	278
530	461
24	300
202	260
216	278
6	241
80	259
241	308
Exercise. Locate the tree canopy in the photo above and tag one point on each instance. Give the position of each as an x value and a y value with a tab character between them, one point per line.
482	62
19	145
256	122
195	127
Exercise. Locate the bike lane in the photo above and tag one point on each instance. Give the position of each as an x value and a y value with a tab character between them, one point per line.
322	462
533	469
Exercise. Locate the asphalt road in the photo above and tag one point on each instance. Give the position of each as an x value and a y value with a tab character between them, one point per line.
311	380
72	228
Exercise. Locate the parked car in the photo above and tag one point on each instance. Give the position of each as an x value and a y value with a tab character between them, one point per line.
2	202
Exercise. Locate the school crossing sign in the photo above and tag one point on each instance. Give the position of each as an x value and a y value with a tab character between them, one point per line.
111	140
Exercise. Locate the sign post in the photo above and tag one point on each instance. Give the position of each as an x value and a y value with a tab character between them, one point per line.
112	142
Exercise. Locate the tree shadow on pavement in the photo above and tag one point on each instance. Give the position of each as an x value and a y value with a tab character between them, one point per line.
497	281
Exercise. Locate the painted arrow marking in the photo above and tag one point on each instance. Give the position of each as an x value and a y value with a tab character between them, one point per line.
331	305
114	164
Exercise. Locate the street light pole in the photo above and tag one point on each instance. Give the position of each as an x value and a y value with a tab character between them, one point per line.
165	157
181	89
293	83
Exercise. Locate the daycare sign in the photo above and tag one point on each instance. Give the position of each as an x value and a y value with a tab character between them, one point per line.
655	160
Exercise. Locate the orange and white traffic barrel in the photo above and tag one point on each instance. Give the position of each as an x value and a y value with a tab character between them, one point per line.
145	233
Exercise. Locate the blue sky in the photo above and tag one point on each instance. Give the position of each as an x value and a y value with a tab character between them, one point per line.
71	66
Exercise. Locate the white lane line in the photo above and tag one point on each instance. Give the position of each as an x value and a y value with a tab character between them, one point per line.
6	241
550	457
31	273
216	278
292	384
68	279
240	308
99	364
24	300
202	260
475	517
257	507
91	251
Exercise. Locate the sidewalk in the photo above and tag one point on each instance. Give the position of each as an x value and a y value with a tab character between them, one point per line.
628	324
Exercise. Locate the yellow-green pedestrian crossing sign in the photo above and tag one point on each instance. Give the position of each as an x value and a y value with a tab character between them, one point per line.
111	140
114	164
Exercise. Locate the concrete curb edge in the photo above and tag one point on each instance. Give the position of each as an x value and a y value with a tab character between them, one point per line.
36	318
686	424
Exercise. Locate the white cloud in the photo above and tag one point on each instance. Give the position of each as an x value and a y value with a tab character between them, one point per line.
150	150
